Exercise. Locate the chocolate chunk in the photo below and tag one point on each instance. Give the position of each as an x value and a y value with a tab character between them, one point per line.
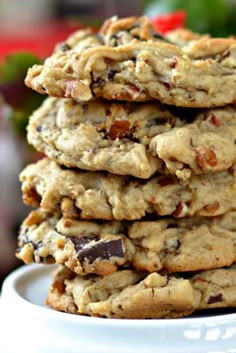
134	59
166	180
215	298
111	74
98	81
85	108
79	243
39	128
167	85
45	259
100	250
156	121
64	47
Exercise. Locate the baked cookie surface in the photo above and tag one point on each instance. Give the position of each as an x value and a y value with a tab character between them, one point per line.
136	139
91	247
127	61
93	195
129	294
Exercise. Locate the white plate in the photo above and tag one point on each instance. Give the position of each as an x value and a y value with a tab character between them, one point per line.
28	325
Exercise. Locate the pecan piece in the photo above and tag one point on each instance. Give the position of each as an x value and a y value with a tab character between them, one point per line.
132	92
205	157
215	121
180	211
59	287
119	129
72	88
167	180
213	207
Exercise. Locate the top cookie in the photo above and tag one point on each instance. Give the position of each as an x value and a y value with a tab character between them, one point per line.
128	61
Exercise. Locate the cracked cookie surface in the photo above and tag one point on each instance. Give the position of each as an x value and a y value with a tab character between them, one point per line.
127	61
136	139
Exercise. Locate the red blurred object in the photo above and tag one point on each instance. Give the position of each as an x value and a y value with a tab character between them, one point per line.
39	39
169	21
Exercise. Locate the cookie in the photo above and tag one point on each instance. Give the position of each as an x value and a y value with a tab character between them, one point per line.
129	294
101	248
100	135
124	294
135	139
201	73
84	247
116	32
94	195
217	288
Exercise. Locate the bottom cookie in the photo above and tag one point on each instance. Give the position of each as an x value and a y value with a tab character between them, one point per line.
131	294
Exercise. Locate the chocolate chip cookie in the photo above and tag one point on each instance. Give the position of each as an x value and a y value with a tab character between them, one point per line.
136	139
129	294
93	195
91	247
138	67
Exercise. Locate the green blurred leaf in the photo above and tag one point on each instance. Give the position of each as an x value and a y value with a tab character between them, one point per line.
19	116
16	65
203	16
22	100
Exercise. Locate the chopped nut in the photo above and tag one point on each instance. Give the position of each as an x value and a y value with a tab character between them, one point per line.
155	280
119	129
67	223
32	198
60	243
212	208
181	210
215	121
59	286
133	92
205	157
35	217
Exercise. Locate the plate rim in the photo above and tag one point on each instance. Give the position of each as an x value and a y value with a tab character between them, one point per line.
13	280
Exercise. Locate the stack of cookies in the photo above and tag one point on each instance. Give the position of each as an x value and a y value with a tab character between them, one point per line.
136	194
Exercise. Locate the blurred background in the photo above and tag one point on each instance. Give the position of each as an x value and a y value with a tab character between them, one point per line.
29	29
